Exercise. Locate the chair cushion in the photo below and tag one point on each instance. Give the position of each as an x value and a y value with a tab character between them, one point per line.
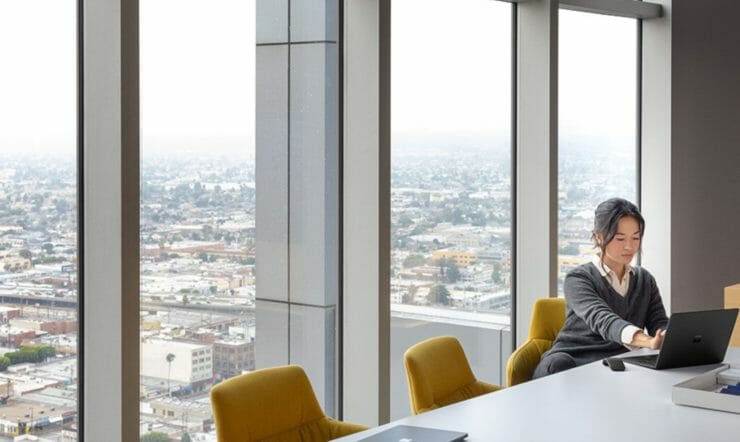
524	360
469	391
320	430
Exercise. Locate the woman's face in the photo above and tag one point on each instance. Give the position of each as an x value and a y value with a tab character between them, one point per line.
625	244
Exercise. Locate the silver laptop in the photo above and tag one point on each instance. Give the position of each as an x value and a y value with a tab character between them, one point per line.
692	338
406	433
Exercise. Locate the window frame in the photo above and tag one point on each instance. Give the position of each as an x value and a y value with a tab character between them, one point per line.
108	143
535	179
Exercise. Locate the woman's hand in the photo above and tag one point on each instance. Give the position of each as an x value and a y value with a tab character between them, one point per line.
642	339
657	341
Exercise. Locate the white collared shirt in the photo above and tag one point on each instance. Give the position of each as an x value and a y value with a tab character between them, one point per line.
621	287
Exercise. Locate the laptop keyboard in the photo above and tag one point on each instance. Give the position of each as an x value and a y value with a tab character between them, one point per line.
649	359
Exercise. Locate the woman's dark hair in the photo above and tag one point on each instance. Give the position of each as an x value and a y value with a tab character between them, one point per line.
607	216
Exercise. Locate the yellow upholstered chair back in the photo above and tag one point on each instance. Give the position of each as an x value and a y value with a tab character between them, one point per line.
548	318
273	404
438	374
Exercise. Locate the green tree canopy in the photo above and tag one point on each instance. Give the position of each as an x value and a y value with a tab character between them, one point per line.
439	294
570	249
155	436
414	261
453	272
496	273
30	354
4	363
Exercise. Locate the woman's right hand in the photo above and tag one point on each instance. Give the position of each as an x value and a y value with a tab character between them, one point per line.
656	341
642	339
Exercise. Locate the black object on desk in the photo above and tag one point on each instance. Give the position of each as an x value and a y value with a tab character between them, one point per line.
615	364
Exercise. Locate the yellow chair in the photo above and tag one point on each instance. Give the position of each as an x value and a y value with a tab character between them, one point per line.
275	405
548	318
438	374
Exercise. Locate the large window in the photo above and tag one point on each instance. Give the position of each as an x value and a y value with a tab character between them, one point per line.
197	208
597	125
38	219
451	202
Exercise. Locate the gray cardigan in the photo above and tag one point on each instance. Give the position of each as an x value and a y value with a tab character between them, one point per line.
596	314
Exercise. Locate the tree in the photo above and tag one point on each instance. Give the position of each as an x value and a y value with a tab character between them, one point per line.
413	261
453	272
155	436
442	262
4	363
570	249
25	253
169	358
439	294
404	221
46	352
496	273
185	300
48	248
249	260
186	438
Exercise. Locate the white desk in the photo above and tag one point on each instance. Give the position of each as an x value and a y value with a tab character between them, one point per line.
588	403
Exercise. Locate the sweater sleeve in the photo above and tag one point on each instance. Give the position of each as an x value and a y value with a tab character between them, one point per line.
656	317
582	297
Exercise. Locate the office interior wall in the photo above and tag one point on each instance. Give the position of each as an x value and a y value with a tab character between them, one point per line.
705	152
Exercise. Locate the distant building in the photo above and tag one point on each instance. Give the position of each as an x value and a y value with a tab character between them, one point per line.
190	414
567	263
8	313
13	337
19	418
15	264
51	327
420	273
462	257
232	357
192	364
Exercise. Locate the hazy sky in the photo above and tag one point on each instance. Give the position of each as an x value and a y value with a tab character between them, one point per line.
451	69
451	73
38	83
197	74
597	77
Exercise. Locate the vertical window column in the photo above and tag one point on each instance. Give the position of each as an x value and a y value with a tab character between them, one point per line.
536	163
109	215
297	169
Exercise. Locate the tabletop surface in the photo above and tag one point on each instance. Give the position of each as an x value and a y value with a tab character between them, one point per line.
587	403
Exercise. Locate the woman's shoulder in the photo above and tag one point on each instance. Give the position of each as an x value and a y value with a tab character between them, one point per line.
586	274
643	273
584	270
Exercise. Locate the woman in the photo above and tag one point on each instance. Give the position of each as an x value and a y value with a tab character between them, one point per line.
609	302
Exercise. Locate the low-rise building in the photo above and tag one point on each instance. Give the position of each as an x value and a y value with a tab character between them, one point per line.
462	257
232	357
191	363
39	325
8	313
13	336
